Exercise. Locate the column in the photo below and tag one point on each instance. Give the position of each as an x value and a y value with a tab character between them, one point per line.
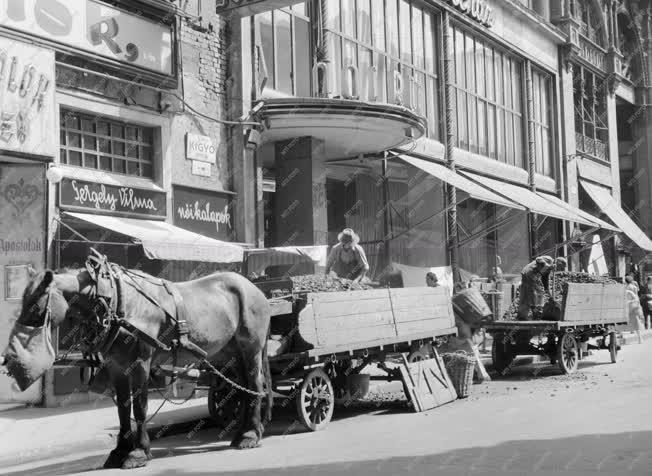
301	211
451	192
531	155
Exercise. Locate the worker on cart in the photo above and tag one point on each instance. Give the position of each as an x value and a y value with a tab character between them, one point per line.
347	258
534	283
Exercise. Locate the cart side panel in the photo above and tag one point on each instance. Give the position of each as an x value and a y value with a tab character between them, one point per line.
355	317
594	302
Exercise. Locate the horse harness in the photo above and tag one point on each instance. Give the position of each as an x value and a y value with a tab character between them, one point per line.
109	312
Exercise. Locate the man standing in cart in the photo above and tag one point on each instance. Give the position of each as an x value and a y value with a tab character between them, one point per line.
347	258
534	282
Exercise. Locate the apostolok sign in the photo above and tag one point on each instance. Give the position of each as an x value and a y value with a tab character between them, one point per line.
476	9
26	98
89	196
93	27
207	213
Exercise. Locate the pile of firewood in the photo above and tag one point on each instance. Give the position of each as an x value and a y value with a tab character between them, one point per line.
554	297
320	283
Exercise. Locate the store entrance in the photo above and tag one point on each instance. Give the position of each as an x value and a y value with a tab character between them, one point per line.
23	228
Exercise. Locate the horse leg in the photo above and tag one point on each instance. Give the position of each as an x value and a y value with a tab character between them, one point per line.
252	430
126	436
141	453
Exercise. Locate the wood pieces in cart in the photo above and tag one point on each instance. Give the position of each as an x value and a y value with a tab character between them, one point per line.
426	383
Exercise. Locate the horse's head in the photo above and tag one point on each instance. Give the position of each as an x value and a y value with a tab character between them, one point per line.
46	302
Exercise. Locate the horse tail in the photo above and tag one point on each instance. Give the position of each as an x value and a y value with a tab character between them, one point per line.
268	381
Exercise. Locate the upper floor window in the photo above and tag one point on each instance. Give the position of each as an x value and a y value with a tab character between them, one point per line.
392	45
99	143
590	19
591	133
543	132
488	99
541	7
285	41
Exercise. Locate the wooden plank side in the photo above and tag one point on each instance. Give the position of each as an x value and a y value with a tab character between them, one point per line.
344	296
333	309
405	328
418	292
421	313
428	384
360	321
407	302
353	337
583	301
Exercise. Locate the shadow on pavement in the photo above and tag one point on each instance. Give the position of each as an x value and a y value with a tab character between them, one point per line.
614	454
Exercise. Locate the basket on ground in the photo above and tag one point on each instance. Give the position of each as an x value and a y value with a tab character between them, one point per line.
460	366
470	306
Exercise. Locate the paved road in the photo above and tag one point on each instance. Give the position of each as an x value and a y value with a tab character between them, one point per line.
536	422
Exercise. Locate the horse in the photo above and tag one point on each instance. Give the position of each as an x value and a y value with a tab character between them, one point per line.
227	316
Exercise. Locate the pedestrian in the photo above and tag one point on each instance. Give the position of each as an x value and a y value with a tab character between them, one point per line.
646	297
631	284
635	312
347	259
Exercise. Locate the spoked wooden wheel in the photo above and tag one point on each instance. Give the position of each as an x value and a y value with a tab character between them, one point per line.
568	352
613	347
316	400
225	404
502	353
418	355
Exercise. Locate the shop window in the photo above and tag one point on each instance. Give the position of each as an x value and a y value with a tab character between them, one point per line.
488	99
104	144
391	37
543	136
285	42
591	132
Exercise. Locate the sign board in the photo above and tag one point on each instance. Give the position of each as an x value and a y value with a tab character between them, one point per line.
27	87
204	212
202	169
94	27
427	383
97	197
479	10
200	147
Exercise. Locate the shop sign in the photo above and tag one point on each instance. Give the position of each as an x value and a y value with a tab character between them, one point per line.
476	9
200	147
204	212
26	98
201	169
97	197
94	27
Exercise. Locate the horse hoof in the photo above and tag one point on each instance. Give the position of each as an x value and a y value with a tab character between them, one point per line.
247	441
135	459
115	459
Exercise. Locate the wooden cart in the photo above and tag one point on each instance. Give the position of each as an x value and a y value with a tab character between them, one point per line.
588	311
349	331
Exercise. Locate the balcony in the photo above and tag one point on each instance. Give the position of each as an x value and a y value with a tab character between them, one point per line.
591	147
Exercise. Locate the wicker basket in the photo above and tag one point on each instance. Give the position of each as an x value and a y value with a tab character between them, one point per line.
460	366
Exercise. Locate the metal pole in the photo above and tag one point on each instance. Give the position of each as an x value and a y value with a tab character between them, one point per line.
531	155
451	202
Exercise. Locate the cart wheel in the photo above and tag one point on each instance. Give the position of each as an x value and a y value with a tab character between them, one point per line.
315	400
613	347
568	353
502	354
225	406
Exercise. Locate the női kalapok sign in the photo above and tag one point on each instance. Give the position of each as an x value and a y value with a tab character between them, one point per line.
205	212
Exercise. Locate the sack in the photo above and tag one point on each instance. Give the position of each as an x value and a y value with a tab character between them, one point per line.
29	353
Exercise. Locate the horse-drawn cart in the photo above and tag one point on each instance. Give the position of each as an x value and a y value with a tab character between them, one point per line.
588	311
348	331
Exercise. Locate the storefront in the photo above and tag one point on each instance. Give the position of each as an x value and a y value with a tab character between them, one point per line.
492	122
27	145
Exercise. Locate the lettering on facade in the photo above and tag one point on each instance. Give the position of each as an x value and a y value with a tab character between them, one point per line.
20	246
76	194
200	148
95	27
476	9
203	212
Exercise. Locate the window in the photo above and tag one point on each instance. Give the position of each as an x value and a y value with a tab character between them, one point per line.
391	40
541	7
542	87
285	42
591	134
590	19
96	142
488	99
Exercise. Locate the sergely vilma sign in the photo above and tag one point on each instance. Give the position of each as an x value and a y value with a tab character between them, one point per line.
95	28
110	199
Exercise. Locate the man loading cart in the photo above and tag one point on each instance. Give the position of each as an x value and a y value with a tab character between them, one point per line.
534	283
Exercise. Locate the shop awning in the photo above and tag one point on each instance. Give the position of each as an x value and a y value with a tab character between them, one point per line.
603	199
458	181
603	224
259	259
163	241
531	200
